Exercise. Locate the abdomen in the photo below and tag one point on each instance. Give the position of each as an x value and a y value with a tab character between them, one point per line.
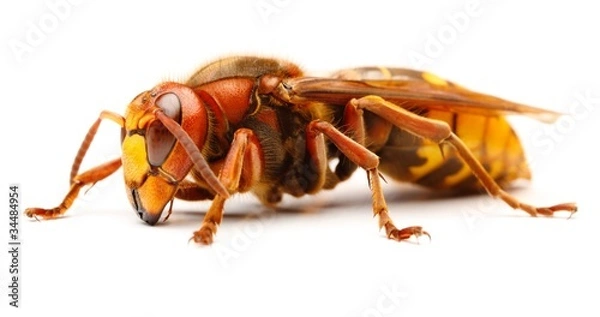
490	138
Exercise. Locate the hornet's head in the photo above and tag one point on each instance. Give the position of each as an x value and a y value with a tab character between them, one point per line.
164	129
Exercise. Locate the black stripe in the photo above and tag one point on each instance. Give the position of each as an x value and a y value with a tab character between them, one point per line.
435	178
453	122
141	132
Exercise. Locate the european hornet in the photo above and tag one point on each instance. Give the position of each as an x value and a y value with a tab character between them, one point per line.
251	124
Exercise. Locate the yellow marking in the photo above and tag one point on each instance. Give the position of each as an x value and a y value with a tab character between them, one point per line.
451	180
496	138
470	128
516	159
135	162
513	148
505	153
433	159
492	141
433	79
430	150
486	137
497	133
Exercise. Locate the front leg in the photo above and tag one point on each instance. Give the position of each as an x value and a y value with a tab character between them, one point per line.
241	170
92	176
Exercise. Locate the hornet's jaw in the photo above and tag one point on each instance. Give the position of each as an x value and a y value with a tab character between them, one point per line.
149	199
149	218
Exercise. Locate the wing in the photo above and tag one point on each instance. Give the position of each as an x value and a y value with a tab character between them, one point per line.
407	88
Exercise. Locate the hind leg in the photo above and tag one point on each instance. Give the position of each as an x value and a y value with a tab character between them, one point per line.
440	132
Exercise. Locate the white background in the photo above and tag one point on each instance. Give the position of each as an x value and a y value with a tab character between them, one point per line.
323	255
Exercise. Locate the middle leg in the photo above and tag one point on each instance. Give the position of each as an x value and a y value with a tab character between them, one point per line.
358	154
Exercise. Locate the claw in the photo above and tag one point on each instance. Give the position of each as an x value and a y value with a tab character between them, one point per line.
202	236
572	212
407	233
549	211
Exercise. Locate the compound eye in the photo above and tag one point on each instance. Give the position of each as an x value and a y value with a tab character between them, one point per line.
159	141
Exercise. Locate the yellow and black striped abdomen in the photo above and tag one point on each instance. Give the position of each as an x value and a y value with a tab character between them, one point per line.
493	142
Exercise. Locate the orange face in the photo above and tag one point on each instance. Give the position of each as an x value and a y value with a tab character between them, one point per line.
154	162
